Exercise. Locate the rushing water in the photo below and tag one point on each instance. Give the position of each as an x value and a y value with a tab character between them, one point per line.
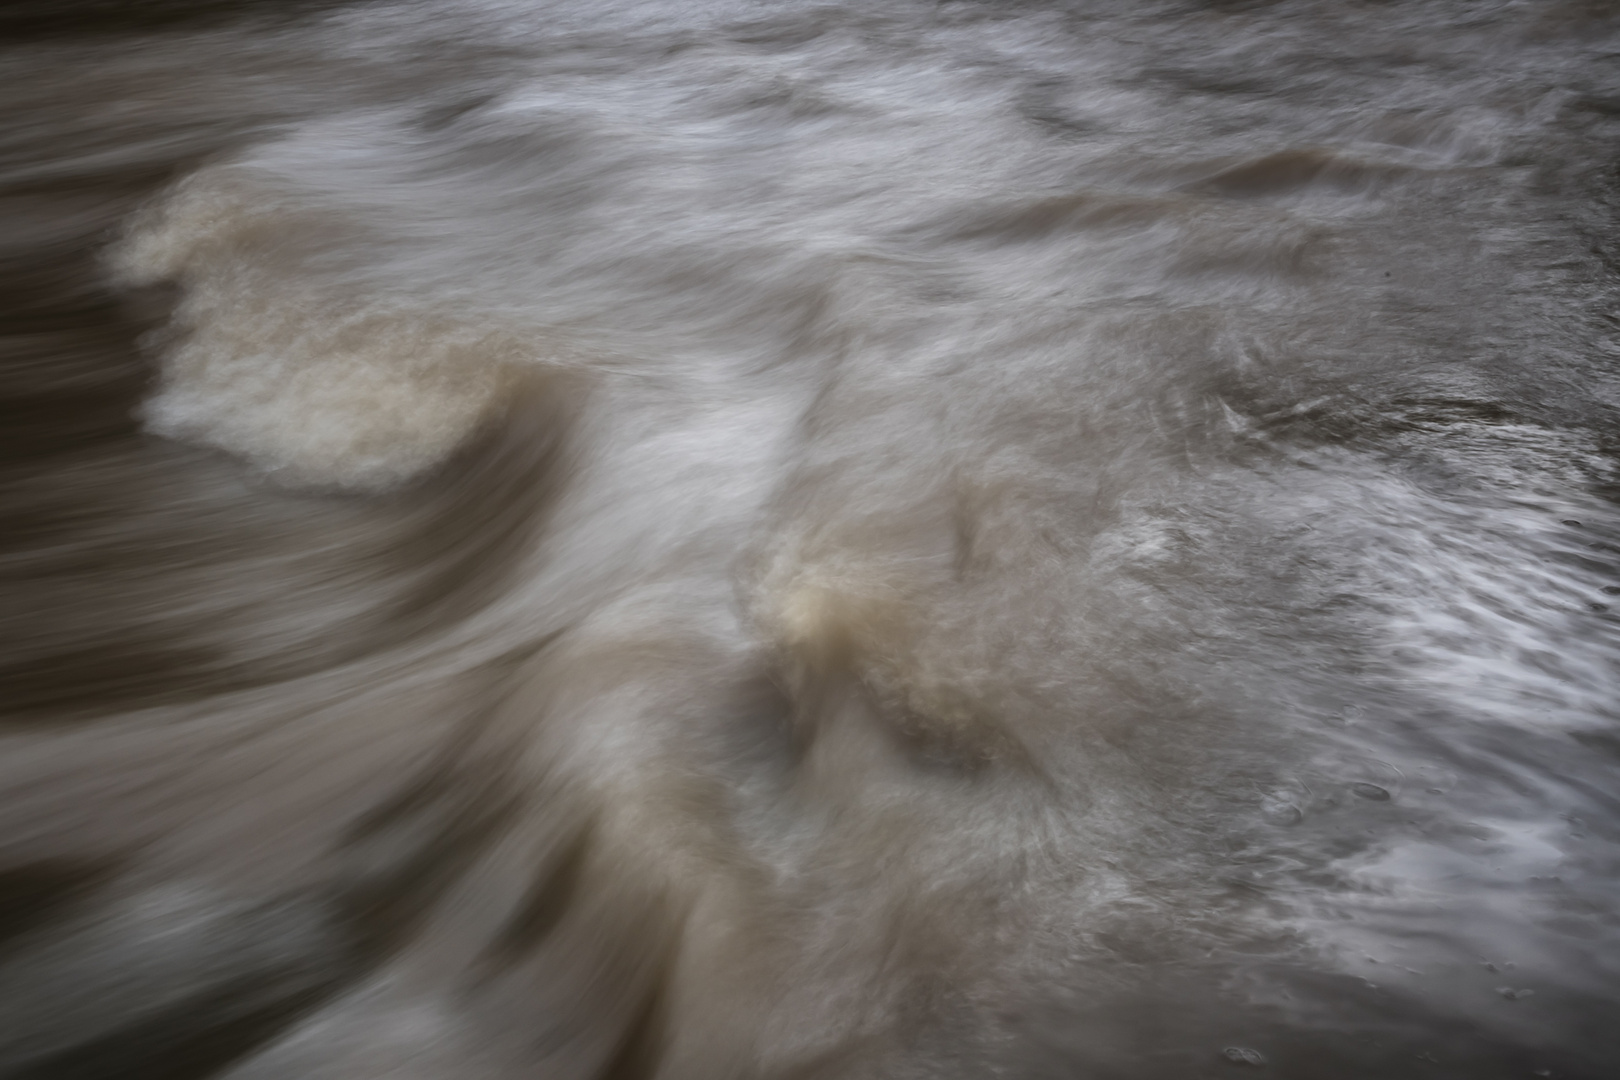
810	540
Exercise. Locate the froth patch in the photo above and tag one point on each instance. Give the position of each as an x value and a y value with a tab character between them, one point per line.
836	623
312	377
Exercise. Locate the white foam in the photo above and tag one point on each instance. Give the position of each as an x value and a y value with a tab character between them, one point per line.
316	381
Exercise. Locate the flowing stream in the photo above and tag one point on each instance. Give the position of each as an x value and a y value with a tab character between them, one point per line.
701	539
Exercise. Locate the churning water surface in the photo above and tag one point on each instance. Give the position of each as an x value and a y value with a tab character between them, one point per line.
810	540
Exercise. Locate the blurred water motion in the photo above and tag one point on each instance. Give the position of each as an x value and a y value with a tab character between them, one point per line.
856	539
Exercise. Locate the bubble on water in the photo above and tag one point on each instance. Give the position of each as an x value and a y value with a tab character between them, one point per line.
1244	1055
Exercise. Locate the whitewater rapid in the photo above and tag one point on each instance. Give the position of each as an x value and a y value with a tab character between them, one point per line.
753	539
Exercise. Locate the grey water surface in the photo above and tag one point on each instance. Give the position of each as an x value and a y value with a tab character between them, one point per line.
735	538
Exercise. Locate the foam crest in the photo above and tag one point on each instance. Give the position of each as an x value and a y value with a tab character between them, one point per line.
316	382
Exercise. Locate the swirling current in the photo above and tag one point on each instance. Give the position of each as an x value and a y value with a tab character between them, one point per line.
809	539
